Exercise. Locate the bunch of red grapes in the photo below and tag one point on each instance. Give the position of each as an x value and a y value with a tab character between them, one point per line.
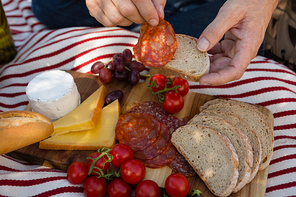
122	67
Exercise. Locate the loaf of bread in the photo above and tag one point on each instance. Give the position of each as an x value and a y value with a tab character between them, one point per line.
211	155
256	122
188	62
239	141
244	128
22	128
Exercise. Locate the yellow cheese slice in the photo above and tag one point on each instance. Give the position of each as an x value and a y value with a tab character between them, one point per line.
103	135
83	117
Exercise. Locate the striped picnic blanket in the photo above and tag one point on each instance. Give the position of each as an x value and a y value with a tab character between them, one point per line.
265	82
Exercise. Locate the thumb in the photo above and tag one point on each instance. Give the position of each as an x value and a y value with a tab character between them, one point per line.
215	31
159	6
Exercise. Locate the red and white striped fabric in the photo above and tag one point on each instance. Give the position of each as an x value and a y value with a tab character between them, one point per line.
265	82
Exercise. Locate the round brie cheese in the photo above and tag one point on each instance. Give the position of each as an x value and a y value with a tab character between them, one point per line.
53	94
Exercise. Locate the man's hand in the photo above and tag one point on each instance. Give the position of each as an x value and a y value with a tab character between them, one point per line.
112	13
243	25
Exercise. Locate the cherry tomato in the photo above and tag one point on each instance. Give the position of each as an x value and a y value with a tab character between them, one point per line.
119	188
133	171
173	102
77	172
147	188
183	90
101	163
121	153
94	186
177	185
160	81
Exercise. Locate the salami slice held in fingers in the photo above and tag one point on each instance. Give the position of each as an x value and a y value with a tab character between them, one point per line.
157	147
138	130
156	45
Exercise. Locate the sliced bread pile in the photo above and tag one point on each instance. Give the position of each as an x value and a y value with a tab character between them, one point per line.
249	135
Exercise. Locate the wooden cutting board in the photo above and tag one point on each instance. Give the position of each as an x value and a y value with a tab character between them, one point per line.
87	84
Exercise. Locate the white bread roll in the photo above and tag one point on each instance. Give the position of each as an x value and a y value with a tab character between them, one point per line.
22	128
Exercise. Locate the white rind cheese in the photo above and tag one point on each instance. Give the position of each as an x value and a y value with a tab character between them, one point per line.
53	94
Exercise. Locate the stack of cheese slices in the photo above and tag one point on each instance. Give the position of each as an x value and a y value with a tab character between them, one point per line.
226	143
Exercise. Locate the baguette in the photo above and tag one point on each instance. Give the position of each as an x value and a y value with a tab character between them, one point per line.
188	62
22	128
211	155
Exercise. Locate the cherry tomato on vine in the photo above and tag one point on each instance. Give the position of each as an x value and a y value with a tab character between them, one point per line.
100	164
118	187
121	153
177	185
183	90
133	171
95	187
77	172
173	102
147	188
160	81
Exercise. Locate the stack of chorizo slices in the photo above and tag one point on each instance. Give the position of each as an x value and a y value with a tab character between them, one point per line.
147	129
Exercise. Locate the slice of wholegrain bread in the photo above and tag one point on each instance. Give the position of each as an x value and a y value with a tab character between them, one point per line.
211	155
188	62
256	109
252	136
239	141
263	130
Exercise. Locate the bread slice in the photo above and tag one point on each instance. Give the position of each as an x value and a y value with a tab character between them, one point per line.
210	154
239	140
252	136
263	130
188	62
256	109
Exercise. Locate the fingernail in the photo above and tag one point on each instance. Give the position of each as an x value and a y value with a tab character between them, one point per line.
153	22
160	9
203	44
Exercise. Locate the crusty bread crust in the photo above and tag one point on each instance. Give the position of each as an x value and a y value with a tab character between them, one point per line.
256	123
22	128
252	136
189	131
187	59
238	139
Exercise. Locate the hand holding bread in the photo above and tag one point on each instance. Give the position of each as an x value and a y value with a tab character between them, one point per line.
22	128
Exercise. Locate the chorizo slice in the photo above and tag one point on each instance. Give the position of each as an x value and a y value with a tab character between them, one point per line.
163	159
138	130
157	111
157	147
156	45
180	165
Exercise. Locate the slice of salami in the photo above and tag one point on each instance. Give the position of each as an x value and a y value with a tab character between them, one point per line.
166	157
157	110
180	165
156	45
138	130
157	146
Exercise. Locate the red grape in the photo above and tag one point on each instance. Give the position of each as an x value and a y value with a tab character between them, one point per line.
110	66
119	65
96	67
137	65
105	75
121	76
134	76
127	56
